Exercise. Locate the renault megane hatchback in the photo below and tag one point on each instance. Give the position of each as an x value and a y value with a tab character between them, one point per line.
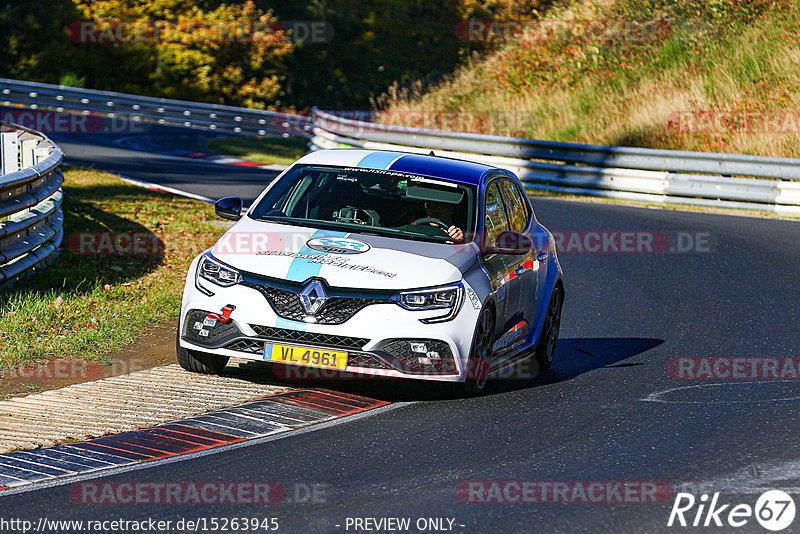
378	264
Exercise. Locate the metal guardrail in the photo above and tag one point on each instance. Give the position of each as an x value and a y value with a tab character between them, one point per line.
31	220
30	180
711	179
214	117
621	172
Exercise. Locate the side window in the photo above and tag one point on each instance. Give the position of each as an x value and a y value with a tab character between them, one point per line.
517	207
495	217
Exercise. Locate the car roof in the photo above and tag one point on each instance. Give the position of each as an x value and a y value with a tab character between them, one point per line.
432	166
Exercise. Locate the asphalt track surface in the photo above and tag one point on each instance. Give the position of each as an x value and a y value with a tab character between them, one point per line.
111	153
607	411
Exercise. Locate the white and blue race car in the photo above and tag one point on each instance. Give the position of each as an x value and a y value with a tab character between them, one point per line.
378	263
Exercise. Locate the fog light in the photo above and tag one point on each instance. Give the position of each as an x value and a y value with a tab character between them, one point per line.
434	355
419	347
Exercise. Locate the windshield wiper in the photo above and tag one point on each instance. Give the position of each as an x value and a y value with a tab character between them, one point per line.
275	220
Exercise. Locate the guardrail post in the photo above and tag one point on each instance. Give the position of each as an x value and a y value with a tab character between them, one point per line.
42	150
28	144
9	149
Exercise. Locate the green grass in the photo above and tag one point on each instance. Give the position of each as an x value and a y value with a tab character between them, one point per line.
267	150
85	305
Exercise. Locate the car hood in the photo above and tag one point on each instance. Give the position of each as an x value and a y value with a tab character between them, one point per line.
343	259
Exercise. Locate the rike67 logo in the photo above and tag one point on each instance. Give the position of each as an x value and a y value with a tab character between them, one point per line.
774	510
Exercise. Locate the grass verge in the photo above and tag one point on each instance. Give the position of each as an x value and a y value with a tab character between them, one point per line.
267	150
86	304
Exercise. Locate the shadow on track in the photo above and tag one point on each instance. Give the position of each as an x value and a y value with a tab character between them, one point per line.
574	357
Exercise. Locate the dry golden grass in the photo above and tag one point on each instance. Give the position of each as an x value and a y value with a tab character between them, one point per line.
611	93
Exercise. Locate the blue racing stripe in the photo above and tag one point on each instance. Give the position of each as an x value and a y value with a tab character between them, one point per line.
289	324
378	160
449	169
301	270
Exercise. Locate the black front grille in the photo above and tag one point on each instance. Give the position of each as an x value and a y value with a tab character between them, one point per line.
338	310
212	335
284	302
391	354
312	338
251	346
402	358
369	361
342	303
355	359
402	347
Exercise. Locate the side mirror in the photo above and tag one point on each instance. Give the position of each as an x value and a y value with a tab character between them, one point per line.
510	243
229	208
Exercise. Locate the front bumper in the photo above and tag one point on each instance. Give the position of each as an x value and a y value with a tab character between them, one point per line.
378	337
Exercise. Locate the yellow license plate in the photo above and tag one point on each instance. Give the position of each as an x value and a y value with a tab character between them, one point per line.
297	355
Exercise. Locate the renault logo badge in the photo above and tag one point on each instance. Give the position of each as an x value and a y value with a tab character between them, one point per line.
313	297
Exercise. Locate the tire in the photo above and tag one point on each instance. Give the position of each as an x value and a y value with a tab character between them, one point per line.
546	347
200	362
480	356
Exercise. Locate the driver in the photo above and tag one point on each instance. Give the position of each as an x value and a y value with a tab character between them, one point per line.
444	212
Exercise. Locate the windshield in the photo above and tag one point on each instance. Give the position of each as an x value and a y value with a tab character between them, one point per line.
371	201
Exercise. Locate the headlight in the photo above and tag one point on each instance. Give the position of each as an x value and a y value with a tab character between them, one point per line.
449	297
215	271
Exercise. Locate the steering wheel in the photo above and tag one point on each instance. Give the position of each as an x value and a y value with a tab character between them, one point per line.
432	221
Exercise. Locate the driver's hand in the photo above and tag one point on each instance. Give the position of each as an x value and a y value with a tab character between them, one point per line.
456	233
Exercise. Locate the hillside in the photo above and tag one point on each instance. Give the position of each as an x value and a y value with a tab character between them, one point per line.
265	54
707	75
